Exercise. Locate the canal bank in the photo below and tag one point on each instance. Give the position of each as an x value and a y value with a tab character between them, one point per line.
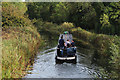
19	46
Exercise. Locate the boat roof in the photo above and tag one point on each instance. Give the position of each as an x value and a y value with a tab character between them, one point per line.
66	32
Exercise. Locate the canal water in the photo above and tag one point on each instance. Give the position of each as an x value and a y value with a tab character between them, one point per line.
45	67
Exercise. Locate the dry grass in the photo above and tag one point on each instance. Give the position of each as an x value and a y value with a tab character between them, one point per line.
19	46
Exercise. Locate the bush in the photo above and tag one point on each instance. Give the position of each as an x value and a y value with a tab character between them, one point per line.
20	44
114	49
107	49
66	26
82	34
38	24
13	14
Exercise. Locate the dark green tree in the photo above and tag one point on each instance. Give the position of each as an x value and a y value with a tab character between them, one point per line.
82	14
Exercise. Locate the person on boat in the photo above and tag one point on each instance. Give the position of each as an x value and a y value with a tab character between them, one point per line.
67	42
69	49
73	43
61	43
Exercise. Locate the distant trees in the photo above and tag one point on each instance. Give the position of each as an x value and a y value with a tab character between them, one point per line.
59	13
53	12
106	27
113	10
38	10
110	19
79	13
97	17
82	14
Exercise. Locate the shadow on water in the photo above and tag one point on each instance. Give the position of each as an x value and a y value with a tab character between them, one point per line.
45	67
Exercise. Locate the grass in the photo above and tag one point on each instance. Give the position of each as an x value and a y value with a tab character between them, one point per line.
19	46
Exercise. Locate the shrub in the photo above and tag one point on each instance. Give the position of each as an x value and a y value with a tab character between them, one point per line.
20	44
114	49
13	14
66	26
38	24
107	49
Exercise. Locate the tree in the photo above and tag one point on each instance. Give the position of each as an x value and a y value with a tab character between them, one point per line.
39	10
106	27
59	13
112	10
82	14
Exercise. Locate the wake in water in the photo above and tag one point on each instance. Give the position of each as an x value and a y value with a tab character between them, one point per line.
45	67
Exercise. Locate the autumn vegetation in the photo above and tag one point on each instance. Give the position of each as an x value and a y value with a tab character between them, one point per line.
20	40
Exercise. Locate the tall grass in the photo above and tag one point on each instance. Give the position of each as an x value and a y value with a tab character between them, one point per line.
19	47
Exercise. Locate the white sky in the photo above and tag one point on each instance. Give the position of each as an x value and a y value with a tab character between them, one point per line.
23	0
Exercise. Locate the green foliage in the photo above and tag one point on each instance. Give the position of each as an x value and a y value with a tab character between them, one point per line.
97	17
13	14
20	45
50	28
39	10
81	14
107	49
115	51
66	26
55	12
115	55
112	13
38	24
106	27
78	13
59	13
104	20
82	34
